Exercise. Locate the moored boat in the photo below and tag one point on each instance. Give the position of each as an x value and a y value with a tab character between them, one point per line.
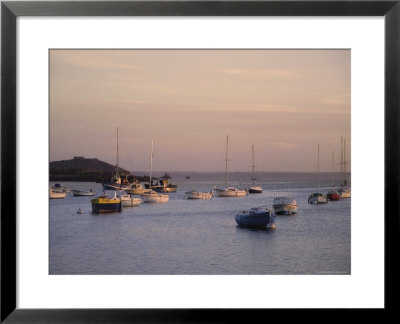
56	194
317	197
254	188
345	192
117	183
136	189
198	195
256	217
128	201
285	205
78	193
58	188
154	197
228	191
104	204
333	196
164	185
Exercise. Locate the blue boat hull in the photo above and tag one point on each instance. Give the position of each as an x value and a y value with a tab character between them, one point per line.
106	208
254	220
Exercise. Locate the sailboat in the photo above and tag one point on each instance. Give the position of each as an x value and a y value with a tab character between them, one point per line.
254	188
116	182
57	195
256	217
152	196
344	191
333	194
317	197
228	191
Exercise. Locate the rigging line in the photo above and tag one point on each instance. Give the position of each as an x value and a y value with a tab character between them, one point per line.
126	151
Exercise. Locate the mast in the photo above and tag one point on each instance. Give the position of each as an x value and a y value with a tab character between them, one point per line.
341	160
344	162
333	169
252	151
151	161
318	171
226	159
117	157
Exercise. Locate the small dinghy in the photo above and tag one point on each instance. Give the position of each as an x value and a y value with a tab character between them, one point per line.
256	217
198	195
80	193
57	195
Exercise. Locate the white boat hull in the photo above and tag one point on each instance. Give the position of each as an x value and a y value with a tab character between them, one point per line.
154	198
198	195
132	202
227	192
285	205
57	195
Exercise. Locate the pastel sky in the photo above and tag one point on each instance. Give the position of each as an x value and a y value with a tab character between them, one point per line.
284	102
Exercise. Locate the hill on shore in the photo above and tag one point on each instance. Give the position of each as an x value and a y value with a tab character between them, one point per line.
83	169
84	163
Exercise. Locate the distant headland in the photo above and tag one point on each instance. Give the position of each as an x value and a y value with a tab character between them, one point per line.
89	170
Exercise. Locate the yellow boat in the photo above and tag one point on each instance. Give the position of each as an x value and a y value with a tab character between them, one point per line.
103	204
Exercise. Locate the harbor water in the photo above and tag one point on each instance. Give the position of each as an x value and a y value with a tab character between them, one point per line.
201	236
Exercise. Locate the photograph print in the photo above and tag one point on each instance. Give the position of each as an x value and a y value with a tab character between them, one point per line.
199	162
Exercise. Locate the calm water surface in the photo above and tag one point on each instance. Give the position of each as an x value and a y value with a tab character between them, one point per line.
199	236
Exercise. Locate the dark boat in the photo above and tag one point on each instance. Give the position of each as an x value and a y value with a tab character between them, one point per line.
333	196
255	189
256	217
162	184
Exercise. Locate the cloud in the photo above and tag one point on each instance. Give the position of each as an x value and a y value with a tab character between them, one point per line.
94	61
262	72
338	101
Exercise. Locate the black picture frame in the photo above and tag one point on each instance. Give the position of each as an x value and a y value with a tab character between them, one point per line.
10	10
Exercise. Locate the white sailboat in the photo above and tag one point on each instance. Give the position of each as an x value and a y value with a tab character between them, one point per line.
198	195
333	195
254	188
154	197
228	191
128	201
344	191
151	196
116	182
317	197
